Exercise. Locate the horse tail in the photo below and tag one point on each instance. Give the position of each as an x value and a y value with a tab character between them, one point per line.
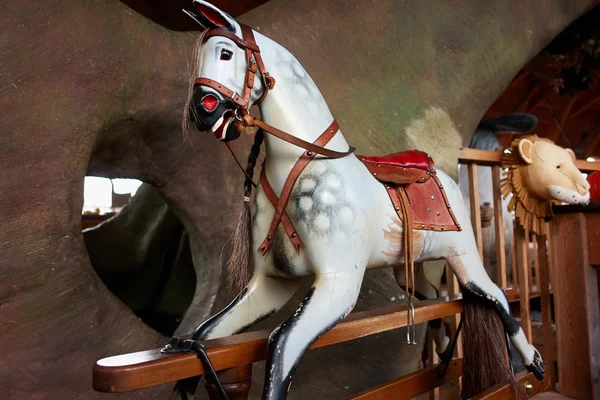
486	360
240	265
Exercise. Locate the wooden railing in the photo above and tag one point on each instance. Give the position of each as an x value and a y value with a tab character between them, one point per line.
232	356
532	264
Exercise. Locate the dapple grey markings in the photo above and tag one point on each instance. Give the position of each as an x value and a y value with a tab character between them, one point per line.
319	202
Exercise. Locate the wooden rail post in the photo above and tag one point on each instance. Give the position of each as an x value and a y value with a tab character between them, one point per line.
475	212
544	288
522	245
501	278
575	287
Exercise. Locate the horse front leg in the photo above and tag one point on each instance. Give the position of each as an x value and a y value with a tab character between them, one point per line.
330	299
262	297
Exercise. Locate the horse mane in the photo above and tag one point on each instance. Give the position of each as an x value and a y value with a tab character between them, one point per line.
530	210
186	122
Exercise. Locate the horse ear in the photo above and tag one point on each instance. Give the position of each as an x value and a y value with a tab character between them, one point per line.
526	150
572	154
210	17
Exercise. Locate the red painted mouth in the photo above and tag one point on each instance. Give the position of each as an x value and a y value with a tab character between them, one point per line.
219	133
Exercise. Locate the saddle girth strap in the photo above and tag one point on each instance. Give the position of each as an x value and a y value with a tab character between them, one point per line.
302	162
285	219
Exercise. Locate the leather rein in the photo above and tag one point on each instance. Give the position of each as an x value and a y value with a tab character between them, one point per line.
241	103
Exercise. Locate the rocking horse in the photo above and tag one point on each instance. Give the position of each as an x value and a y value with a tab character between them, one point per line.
320	210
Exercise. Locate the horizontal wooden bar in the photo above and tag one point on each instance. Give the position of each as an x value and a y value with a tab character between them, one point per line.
480	157
149	368
414	384
507	391
490	158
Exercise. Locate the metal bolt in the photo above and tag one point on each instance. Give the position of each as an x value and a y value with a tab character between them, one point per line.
269	237
432	197
309	153
438	213
423	226
428	209
528	387
397	207
442	227
294	234
423	178
379	165
374	173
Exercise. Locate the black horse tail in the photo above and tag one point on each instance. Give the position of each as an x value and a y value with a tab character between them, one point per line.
486	359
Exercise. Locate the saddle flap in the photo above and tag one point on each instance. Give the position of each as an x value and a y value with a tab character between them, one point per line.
411	166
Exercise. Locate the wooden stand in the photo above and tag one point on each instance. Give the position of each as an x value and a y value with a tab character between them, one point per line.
236	382
575	257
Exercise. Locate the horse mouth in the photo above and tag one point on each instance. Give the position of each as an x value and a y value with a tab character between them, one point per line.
219	129
569	196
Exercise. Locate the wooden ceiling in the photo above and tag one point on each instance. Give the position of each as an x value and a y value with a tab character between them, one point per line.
569	120
561	87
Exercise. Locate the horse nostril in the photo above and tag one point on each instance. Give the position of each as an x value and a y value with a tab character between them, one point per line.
210	102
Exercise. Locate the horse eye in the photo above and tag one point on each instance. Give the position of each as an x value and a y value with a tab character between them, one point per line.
558	167
226	55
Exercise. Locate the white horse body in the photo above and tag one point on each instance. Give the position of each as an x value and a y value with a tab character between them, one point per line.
343	215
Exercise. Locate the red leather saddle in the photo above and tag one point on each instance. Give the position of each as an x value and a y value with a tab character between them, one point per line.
410	177
411	166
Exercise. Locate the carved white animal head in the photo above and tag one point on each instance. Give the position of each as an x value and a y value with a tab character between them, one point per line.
551	172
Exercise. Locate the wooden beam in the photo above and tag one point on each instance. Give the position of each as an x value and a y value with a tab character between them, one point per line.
587	102
507	391
523	104
412	385
559	123
591	147
149	368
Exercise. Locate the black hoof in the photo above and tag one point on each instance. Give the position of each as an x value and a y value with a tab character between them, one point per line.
537	366
447	354
177	345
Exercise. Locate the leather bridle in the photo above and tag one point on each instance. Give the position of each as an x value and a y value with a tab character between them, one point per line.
241	103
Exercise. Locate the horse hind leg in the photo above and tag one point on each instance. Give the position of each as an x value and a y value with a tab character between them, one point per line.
330	299
473	278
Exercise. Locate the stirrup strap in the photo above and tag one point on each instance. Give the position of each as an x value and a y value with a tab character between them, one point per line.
409	264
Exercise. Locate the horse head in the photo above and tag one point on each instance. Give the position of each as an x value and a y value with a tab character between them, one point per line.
223	86
551	173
